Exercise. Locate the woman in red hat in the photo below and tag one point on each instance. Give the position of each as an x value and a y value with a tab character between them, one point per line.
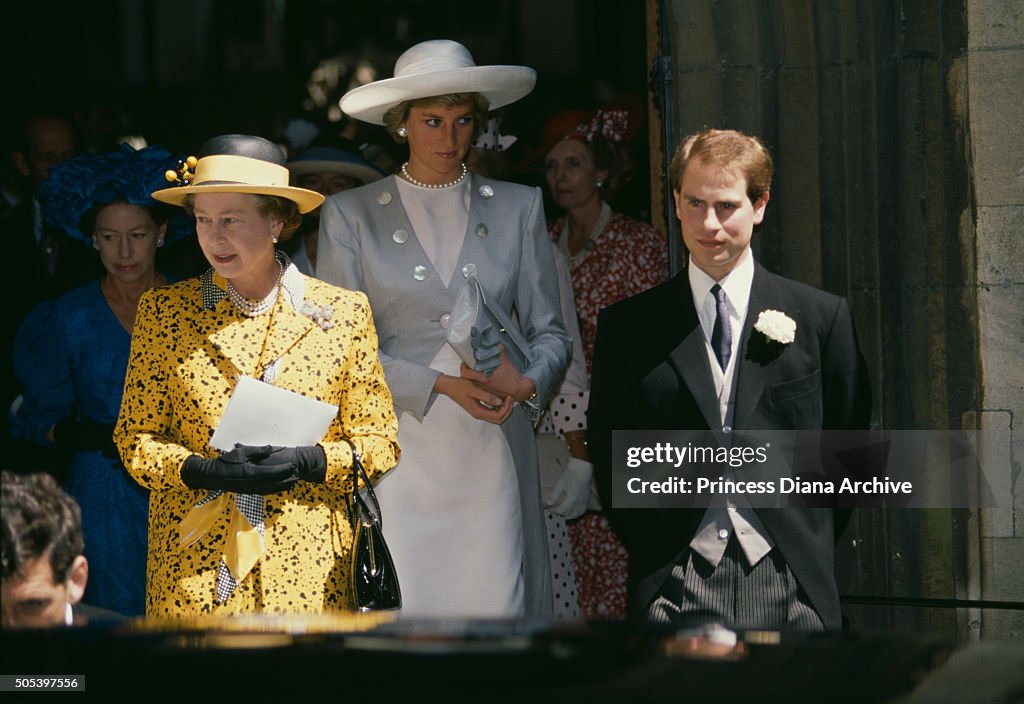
611	256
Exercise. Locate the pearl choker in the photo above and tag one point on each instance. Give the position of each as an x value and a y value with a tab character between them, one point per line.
410	179
252	308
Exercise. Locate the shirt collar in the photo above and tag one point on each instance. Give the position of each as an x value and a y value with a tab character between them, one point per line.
293	285
737	284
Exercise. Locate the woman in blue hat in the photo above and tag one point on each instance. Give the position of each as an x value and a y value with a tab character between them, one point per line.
71	353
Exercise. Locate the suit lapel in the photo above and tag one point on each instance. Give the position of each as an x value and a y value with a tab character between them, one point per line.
469	244
411	253
754	369
286	329
689	357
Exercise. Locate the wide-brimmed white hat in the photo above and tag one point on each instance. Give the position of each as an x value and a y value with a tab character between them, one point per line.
437	67
240	163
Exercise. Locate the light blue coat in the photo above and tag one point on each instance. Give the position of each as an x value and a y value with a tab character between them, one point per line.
367	243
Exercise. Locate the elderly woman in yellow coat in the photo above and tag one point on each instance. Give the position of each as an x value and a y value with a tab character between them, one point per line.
257	528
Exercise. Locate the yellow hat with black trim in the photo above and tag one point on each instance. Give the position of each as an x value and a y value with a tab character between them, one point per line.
238	163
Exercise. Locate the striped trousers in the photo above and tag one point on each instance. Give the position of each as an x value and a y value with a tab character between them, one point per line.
734	593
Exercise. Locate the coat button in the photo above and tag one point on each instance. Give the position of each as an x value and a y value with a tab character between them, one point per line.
444	320
384	198
481	230
486	191
469	270
726	429
723	534
400	236
419	273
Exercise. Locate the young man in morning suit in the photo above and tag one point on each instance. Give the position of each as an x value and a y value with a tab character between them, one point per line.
684	355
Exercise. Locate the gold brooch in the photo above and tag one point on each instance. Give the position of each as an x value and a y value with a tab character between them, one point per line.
183	174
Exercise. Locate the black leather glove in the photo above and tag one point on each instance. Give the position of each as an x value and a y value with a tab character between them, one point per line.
73	434
238	471
309	460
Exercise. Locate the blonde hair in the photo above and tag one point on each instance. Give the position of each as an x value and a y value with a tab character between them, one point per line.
394	117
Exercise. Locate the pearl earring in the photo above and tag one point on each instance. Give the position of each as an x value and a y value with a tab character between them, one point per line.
159	243
274	240
402	132
600	183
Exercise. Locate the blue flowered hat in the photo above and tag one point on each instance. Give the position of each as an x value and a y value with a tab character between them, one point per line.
77	185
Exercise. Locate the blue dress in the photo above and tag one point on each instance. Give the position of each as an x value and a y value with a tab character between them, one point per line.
71	355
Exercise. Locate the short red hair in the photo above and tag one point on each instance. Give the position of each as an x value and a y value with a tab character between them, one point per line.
729	150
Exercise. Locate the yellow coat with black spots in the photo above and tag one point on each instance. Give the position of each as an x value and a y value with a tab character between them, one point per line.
190	345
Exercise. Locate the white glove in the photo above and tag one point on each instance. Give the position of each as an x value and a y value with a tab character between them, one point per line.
570	494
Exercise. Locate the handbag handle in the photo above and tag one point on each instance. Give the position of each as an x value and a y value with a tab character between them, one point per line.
374	516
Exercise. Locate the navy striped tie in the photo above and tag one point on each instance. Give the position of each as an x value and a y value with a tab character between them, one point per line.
721	334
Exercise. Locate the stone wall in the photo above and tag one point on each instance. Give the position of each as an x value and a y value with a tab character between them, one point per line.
995	86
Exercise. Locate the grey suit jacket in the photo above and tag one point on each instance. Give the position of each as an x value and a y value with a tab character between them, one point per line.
367	243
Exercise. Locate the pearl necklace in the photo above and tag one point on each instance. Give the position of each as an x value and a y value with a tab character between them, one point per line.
410	179
588	245
252	308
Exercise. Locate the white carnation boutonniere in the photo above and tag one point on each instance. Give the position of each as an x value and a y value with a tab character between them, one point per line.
321	315
776	326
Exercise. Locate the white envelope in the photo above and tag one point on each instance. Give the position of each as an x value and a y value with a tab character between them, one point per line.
261	414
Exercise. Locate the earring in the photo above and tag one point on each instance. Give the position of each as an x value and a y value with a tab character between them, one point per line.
402	132
274	240
600	183
160	243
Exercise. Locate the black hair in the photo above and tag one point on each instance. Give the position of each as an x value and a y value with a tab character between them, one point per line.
38	519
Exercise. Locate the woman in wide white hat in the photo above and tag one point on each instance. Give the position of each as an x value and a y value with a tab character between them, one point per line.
261	527
463	509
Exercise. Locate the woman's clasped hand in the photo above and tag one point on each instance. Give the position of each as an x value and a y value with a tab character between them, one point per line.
256	470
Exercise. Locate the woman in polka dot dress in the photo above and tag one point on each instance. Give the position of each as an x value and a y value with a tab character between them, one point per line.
611	257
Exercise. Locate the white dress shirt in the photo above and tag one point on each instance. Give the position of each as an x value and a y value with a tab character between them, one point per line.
726	515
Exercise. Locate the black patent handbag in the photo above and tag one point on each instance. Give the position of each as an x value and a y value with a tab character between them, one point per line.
374	579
